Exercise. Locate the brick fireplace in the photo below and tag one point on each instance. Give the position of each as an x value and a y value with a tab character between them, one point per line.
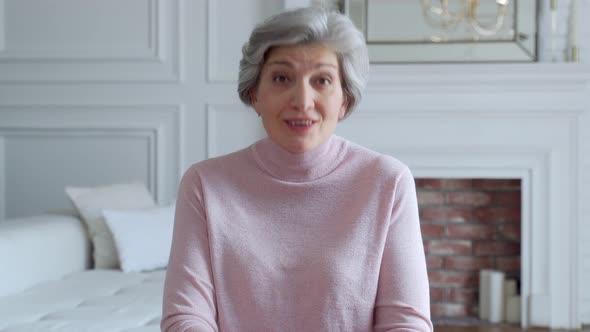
467	225
528	123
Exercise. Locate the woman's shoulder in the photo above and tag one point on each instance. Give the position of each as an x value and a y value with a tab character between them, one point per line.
375	161
220	164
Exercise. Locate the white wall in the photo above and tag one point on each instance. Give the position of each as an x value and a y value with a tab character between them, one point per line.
100	92
94	92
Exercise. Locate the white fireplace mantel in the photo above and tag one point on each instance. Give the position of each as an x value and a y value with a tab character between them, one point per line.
526	121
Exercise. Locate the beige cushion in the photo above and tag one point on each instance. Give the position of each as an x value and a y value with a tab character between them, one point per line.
90	201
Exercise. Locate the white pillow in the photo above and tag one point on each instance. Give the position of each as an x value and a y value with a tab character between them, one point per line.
142	236
90	201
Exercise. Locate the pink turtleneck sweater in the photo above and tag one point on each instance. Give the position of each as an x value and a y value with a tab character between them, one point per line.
327	240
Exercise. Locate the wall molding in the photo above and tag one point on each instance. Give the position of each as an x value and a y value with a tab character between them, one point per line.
2	179
160	62
215	72
2	28
222	36
492	77
160	125
149	136
248	129
150	54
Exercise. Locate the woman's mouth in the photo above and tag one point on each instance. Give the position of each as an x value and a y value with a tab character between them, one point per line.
300	126
299	123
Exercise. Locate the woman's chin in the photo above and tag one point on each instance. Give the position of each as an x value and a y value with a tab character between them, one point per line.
302	146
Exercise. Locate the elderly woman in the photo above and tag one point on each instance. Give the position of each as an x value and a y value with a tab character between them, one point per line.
303	230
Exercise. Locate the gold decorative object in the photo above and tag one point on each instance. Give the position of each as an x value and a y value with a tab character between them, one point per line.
444	17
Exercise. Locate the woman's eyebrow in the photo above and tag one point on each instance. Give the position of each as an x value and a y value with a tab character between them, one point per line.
326	65
280	63
289	64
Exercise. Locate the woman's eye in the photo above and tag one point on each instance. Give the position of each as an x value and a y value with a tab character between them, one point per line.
280	78
324	81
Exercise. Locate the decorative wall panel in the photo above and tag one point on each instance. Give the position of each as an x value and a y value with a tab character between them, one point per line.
241	122
225	40
48	147
89	41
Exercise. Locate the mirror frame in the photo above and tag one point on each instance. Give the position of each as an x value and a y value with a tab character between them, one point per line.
522	48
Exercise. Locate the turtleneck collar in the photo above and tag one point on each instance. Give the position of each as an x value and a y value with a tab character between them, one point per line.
299	167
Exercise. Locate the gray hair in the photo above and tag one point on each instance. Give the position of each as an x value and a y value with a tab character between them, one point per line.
306	26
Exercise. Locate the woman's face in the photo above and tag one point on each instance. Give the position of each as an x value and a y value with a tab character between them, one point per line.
299	96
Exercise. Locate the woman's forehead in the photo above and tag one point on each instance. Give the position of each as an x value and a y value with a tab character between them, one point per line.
313	55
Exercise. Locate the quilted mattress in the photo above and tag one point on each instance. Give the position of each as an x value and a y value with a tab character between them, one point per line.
88	301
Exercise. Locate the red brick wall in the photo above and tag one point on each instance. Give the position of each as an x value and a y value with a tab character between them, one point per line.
467	225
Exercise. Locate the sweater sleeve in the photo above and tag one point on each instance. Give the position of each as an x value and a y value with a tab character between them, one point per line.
403	301
189	294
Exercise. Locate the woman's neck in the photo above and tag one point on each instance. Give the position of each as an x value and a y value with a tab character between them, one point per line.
299	167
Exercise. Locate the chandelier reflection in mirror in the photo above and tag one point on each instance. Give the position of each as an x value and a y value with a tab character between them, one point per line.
429	31
448	16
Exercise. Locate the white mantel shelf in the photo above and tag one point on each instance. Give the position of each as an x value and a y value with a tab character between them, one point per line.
517	77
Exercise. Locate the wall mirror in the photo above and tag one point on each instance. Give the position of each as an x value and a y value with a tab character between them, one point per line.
405	31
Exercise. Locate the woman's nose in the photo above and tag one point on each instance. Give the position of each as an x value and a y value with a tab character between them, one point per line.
302	97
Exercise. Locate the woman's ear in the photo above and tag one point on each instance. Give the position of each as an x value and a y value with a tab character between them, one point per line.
253	99
343	109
